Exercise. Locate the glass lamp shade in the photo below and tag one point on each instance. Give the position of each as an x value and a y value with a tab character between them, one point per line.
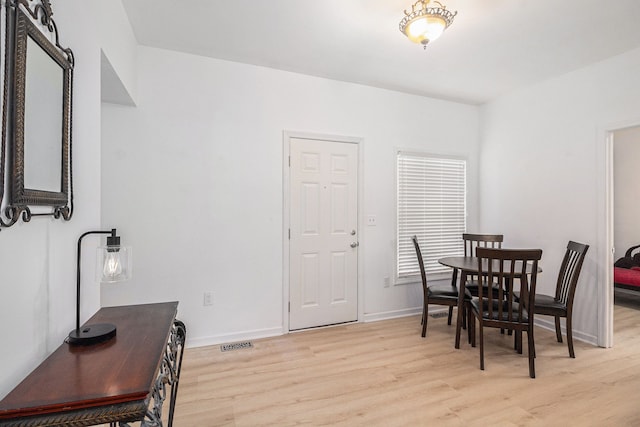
424	29
113	264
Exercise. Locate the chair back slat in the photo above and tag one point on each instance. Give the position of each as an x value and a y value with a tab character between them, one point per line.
570	271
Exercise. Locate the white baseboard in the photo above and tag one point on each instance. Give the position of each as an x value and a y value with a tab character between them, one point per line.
546	323
549	323
228	338
384	315
372	317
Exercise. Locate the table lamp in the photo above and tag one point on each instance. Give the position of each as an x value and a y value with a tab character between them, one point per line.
113	265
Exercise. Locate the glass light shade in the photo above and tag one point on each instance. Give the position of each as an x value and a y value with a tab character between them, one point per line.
113	264
425	29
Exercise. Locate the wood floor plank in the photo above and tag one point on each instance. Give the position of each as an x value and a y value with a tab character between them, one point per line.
384	373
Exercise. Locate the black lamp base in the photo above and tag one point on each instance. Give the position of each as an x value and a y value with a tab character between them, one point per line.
92	334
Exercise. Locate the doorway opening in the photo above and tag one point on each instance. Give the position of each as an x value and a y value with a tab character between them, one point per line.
607	247
626	204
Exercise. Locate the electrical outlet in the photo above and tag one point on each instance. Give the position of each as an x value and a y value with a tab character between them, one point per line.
387	282
371	220
208	299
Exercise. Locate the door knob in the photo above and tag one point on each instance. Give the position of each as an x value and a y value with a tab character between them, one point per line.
355	244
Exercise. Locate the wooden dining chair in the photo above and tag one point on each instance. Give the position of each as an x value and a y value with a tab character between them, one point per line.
437	294
471	243
561	305
505	268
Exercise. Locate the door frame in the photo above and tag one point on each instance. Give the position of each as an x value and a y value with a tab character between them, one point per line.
605	238
286	221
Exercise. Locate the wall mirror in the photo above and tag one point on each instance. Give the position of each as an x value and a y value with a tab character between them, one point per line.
36	144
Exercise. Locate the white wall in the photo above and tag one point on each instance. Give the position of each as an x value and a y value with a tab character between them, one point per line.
119	48
542	169
626	168
193	178
37	259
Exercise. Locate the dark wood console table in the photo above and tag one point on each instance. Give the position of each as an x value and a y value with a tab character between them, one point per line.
125	379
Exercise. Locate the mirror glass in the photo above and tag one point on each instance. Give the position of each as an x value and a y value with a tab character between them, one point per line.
42	120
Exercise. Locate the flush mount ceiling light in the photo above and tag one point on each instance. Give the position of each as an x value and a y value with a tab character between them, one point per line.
424	24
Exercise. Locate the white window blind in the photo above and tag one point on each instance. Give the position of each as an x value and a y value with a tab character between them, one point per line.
431	205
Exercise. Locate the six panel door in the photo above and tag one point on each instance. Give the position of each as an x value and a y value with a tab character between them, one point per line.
324	233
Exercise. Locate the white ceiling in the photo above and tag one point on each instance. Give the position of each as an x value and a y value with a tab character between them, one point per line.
492	47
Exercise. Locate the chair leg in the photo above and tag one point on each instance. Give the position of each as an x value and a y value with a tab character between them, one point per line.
425	317
464	317
460	305
572	354
531	333
558	330
459	325
450	315
469	316
533	339
481	333
532	352
472	327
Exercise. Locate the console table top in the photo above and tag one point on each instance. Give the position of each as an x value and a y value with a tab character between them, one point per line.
119	371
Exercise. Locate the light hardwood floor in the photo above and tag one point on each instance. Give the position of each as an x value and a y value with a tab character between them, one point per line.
384	373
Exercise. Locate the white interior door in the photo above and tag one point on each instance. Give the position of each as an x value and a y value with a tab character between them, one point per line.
323	250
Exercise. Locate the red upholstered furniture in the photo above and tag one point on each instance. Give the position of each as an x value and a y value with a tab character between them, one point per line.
628	278
626	270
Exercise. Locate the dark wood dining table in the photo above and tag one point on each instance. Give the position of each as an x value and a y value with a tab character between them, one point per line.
468	265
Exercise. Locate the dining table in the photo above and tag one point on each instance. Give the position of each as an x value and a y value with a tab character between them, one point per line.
469	266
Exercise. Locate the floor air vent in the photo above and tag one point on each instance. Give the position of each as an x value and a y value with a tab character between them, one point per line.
236	346
439	314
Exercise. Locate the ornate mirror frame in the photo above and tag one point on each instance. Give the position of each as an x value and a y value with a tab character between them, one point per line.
23	33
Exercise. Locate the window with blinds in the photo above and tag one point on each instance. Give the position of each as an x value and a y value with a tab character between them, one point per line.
431	205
